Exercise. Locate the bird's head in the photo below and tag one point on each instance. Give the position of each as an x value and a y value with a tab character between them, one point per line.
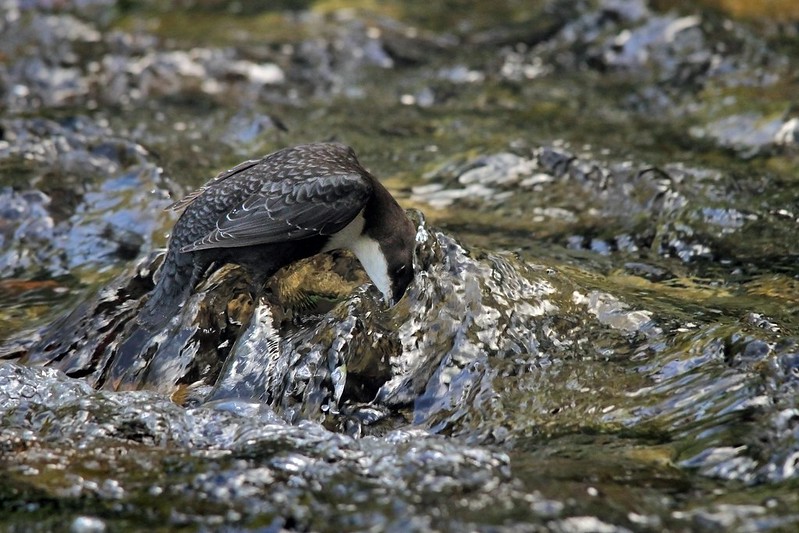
386	246
398	251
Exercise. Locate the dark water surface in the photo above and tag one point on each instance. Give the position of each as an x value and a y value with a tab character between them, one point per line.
603	333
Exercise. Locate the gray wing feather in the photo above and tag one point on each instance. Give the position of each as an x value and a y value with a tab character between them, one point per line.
189	198
290	209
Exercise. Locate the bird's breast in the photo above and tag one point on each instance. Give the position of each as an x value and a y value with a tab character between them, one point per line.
345	237
366	249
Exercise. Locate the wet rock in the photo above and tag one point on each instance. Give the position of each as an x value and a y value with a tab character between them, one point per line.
461	314
678	50
245	376
749	133
87	524
681	65
24	218
337	59
100	340
244	453
633	210
45	72
788	133
120	69
502	169
246	131
85	331
67	220
129	77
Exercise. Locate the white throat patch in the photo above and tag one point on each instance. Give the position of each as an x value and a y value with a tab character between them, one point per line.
367	250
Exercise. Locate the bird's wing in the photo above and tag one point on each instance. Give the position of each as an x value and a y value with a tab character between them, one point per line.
189	198
290	209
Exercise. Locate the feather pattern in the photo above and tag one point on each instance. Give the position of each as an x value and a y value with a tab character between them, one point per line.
265	214
189	198
281	203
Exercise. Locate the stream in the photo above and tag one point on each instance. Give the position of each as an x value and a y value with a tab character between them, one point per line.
603	329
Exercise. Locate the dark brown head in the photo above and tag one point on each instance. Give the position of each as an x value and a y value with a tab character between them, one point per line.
389	227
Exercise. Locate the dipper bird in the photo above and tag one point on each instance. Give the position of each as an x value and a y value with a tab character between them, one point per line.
294	203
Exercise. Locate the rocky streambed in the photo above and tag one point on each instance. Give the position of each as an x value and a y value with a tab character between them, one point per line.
602	333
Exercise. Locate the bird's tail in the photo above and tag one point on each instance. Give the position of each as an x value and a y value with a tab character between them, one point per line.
173	287
138	345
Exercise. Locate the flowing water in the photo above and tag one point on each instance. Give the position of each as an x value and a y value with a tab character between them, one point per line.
601	334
